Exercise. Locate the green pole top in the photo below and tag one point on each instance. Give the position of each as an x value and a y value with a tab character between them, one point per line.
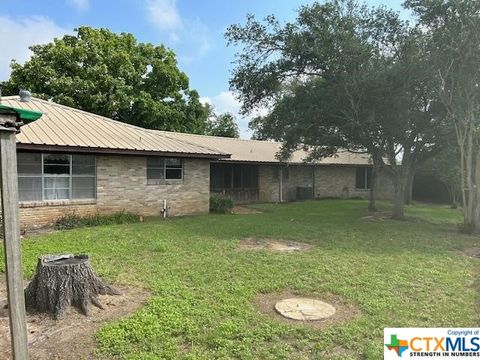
22	114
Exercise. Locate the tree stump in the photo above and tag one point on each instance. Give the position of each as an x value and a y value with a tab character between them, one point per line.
64	280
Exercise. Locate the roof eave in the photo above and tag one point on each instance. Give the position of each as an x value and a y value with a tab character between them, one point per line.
111	151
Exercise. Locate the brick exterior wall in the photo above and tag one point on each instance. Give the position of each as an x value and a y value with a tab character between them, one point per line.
122	186
268	188
330	181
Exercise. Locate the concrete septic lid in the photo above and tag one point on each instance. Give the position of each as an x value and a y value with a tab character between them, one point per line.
304	309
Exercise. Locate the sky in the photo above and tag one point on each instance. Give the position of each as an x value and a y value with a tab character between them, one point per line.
193	29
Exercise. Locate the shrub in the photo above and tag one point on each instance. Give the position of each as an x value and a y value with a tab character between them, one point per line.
72	220
221	204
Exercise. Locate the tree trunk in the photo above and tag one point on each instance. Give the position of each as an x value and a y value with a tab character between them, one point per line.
452	194
372	206
63	280
399	182
470	165
475	229
409	187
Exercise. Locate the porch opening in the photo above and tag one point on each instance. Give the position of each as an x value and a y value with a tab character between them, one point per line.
239	181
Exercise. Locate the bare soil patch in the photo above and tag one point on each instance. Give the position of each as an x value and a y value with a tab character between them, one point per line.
473	252
38	231
378	216
73	335
244	210
275	245
265	304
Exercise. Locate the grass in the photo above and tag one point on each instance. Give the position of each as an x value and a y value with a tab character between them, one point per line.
398	274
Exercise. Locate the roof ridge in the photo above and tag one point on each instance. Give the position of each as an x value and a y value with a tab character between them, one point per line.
112	120
221	137
81	111
191	143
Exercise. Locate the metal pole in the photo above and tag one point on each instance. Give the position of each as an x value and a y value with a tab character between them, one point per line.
11	242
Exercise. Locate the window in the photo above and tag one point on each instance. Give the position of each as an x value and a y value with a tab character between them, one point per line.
363	178
161	169
29	168
55	176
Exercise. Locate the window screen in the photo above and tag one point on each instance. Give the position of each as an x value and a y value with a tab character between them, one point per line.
29	168
161	169
363	178
55	176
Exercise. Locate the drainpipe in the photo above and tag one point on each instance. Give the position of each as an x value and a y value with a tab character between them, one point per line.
280	183
313	182
164	210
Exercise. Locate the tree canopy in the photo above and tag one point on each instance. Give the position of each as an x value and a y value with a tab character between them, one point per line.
112	75
222	125
452	27
341	75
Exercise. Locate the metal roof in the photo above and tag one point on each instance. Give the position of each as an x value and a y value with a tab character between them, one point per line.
24	115
265	151
69	129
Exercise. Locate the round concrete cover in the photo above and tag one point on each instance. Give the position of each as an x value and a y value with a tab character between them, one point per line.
304	309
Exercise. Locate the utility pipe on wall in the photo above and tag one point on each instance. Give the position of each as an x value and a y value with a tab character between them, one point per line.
164	210
280	183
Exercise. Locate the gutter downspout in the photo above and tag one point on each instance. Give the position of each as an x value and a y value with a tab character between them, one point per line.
313	182
280	184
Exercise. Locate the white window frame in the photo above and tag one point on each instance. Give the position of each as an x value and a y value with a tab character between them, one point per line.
164	168
70	181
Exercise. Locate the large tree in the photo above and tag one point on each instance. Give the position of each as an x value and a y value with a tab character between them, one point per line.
222	125
112	75
341	76
453	27
445	166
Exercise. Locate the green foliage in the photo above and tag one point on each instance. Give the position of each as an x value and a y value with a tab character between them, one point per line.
454	53
72	220
342	76
222	125
204	289
112	75
220	203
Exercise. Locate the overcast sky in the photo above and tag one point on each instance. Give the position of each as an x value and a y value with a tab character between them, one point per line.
193	29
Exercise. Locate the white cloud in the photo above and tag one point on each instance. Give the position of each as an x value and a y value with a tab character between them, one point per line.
17	36
225	101
163	14
165	17
79	5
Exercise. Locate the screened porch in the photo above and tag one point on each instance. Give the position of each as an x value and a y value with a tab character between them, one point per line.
239	181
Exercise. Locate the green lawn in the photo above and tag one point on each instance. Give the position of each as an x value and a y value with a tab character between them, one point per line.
397	274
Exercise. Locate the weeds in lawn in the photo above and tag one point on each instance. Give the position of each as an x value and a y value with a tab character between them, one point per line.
221	204
205	290
72	220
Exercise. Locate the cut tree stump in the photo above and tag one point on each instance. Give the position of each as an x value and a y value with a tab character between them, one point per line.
64	280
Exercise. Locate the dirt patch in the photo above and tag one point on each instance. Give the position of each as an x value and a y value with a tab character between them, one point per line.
37	231
275	245
378	216
244	210
74	334
265	304
473	252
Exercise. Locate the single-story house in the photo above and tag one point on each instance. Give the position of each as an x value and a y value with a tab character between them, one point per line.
74	161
